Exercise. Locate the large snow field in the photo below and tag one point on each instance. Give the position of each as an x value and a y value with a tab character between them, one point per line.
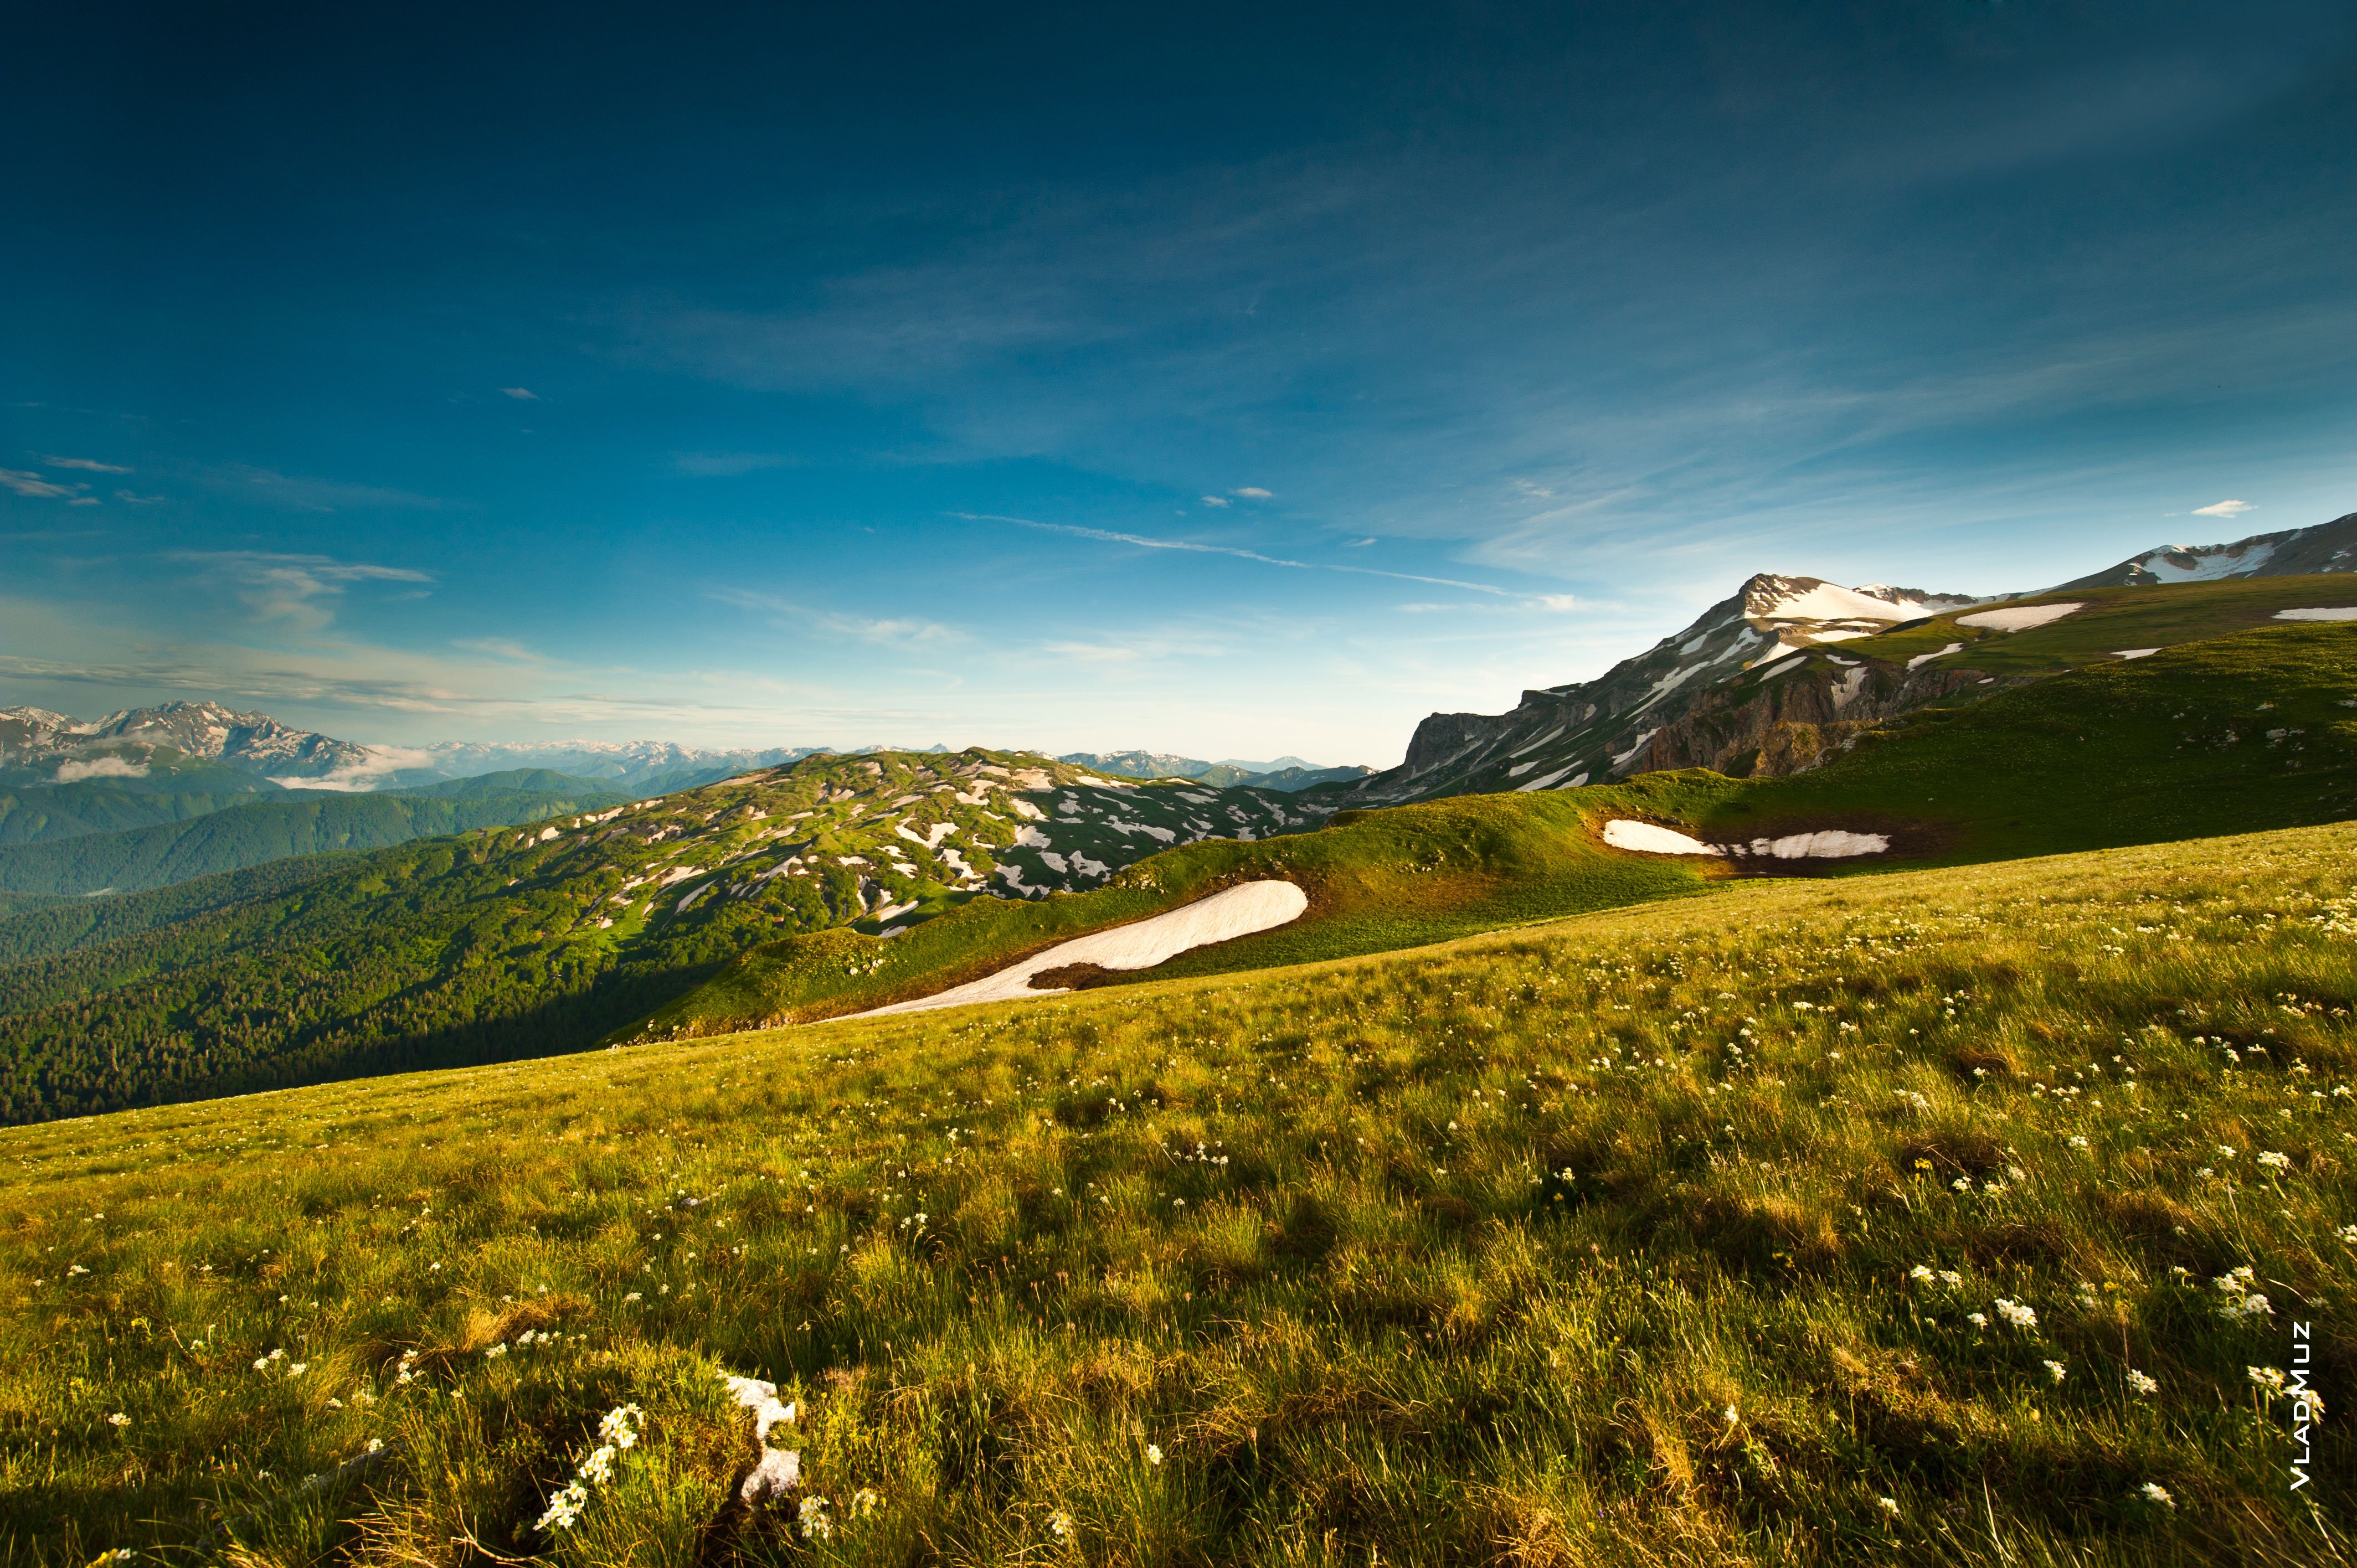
2019	617
1237	911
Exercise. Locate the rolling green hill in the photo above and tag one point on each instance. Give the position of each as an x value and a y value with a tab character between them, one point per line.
275	828
515	942
838	884
2246	730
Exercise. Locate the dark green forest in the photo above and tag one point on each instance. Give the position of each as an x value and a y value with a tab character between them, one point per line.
257	830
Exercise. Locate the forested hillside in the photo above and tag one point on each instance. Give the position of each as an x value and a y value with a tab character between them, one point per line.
498	944
275	827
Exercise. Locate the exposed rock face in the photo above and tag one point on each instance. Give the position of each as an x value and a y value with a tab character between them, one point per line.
1691	696
1794	725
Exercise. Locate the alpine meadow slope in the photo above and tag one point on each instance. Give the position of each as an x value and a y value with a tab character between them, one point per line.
1956	1217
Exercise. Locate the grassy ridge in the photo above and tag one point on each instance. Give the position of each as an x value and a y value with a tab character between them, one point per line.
1388	879
267	828
1647	1237
2175	746
2113	620
2250	730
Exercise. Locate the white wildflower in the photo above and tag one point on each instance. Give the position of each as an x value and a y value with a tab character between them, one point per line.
2153	1492
2145	1386
2057	1371
814	1522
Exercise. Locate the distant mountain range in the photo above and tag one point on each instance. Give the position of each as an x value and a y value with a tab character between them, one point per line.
179	747
1288	773
1716	694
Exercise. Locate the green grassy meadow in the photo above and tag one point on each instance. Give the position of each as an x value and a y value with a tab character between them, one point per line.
1947	1216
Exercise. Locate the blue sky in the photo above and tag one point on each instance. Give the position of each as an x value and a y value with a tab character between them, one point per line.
1231	381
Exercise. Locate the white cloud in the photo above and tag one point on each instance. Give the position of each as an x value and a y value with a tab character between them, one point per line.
2223	509
1357	543
74	770
1216	500
26	484
521	394
367	773
1254	492
85	463
137	499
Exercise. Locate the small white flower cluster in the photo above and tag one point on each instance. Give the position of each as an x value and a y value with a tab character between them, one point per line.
2145	1386
2153	1492
1948	1277
294	1368
2057	1371
2013	1312
815	1525
2275	1162
407	1372
618	1429
2242	1302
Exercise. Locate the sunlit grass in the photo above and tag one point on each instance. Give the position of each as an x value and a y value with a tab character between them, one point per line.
1592	1242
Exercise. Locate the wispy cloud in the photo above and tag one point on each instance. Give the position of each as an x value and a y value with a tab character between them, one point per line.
904	630
26	484
1550	600
302	494
521	394
1254	492
89	465
711	465
296	590
907	632
2223	509
137	499
501	648
1216	500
